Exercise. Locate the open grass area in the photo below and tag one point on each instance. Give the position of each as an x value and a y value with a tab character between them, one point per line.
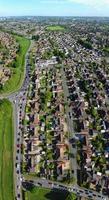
55	28
16	79
106	49
6	151
46	194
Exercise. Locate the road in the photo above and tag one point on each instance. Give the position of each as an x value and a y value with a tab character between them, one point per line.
73	151
18	100
56	185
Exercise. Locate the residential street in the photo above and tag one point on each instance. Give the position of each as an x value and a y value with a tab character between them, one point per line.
73	151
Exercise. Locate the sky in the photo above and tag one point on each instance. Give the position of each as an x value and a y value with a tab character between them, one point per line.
54	7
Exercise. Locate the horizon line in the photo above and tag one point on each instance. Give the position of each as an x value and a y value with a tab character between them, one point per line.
53	16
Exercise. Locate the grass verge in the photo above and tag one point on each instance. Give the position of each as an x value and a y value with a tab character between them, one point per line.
14	83
6	151
47	194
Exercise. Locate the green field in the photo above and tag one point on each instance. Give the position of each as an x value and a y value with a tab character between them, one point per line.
46	194
15	81
106	49
6	151
55	28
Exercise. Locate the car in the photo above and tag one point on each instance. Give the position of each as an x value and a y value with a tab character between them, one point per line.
39	184
104	192
17	171
90	196
16	157
18	166
18	145
81	191
78	193
31	181
73	145
18	195
63	187
99	196
50	183
17	150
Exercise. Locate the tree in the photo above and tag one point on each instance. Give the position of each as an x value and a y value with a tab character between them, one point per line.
85	44
35	37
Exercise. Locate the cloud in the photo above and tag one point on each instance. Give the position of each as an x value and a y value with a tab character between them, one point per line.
93	3
53	1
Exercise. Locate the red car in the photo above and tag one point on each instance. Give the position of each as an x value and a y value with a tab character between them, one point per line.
18	145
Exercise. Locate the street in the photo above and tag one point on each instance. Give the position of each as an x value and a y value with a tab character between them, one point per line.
73	151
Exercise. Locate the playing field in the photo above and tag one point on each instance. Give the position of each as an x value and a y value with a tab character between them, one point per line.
15	81
46	194
55	28
6	151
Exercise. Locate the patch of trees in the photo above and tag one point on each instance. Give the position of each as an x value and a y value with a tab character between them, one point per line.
85	44
35	37
58	53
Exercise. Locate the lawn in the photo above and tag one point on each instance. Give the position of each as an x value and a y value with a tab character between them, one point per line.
55	28
16	79
6	151
47	194
106	49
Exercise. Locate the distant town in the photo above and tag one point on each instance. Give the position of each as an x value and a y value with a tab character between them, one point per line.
54	105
